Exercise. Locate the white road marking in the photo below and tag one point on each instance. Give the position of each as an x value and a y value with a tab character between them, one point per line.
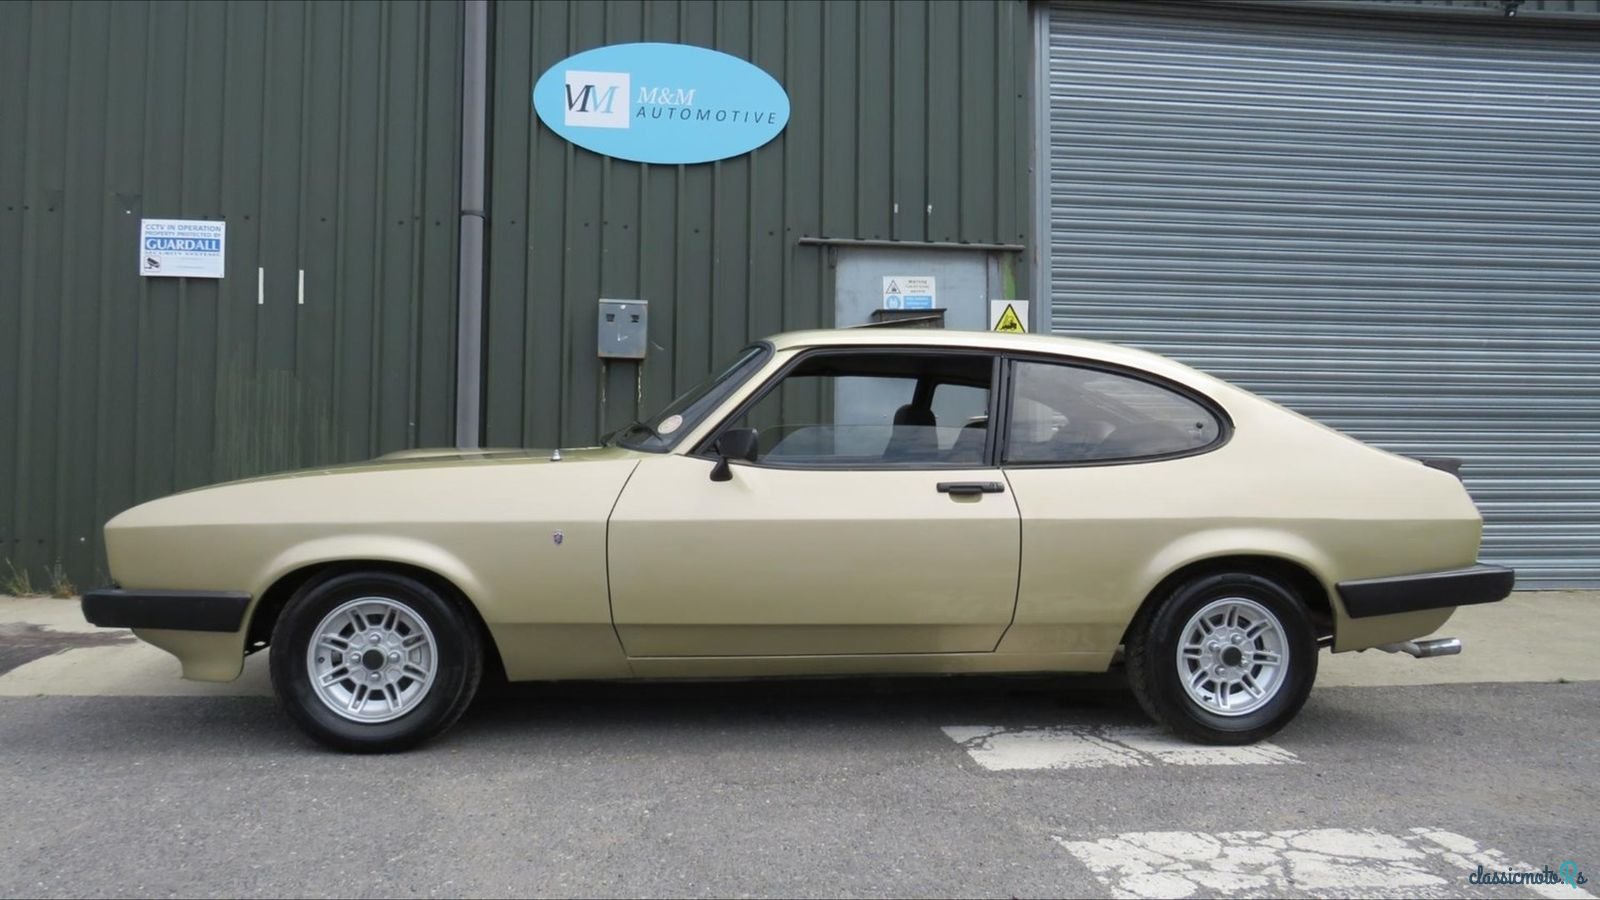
1321	862
1004	749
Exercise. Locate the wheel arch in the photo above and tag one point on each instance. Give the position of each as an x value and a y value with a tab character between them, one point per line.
264	614
1293	573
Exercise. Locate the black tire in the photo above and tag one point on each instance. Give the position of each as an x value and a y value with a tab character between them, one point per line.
1154	670
458	667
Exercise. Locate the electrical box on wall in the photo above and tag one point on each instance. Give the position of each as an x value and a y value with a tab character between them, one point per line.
623	329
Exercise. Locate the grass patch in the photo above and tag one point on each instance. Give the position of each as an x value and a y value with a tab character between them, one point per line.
16	583
61	587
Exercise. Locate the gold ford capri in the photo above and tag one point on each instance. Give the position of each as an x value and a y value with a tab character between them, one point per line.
854	502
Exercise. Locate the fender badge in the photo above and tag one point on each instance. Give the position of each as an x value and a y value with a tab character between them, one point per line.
558	537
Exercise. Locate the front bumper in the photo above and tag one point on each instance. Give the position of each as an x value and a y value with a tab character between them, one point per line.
217	611
1430	590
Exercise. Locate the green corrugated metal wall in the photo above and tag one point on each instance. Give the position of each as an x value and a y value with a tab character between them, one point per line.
919	107
326	134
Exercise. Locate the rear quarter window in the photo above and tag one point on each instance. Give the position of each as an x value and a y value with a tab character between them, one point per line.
1072	414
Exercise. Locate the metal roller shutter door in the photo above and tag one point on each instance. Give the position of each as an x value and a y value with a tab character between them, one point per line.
1389	223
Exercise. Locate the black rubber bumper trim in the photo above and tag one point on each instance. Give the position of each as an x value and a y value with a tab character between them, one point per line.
176	610
1430	590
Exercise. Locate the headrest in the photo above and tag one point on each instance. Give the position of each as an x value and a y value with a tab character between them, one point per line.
915	415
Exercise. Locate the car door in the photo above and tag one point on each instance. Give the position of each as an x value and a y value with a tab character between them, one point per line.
871	521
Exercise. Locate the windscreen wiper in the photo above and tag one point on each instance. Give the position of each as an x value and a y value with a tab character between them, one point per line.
641	425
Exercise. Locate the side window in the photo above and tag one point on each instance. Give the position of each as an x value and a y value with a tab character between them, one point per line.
1069	414
875	409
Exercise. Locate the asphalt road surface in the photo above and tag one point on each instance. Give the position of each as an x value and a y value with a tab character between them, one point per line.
927	787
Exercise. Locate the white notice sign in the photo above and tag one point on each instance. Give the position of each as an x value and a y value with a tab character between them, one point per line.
182	248
910	292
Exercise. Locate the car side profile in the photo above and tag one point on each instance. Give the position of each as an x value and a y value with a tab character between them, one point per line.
848	502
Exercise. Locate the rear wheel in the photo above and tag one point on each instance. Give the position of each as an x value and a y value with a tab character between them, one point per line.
1225	658
374	661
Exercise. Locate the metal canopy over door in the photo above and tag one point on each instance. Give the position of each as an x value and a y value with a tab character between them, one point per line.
1390	223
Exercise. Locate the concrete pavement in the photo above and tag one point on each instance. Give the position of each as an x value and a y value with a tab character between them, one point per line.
116	665
1529	636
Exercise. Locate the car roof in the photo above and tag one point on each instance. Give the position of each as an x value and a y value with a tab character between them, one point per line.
983	340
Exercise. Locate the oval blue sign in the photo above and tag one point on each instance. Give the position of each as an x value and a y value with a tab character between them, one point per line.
661	103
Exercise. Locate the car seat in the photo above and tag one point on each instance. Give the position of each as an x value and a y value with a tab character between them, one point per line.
915	434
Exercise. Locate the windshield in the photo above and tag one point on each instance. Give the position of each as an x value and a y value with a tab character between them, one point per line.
660	432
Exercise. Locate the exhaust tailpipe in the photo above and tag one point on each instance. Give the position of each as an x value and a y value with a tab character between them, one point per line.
1425	649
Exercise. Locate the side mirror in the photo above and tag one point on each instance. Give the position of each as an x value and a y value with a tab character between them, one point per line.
735	443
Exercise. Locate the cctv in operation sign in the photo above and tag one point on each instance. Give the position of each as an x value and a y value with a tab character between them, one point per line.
182	248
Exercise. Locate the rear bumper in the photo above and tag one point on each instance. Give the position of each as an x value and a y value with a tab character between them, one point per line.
217	611
1430	590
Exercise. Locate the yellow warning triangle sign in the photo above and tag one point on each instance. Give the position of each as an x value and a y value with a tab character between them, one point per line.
1009	322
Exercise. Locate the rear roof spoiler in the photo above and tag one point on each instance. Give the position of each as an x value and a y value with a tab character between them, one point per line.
1443	463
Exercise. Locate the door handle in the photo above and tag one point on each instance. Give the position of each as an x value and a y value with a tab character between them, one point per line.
963	488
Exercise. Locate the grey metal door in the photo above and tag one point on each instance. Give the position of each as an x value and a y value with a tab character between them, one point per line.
961	279
1390	223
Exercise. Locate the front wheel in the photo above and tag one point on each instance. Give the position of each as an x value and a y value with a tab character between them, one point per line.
1224	659
374	661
